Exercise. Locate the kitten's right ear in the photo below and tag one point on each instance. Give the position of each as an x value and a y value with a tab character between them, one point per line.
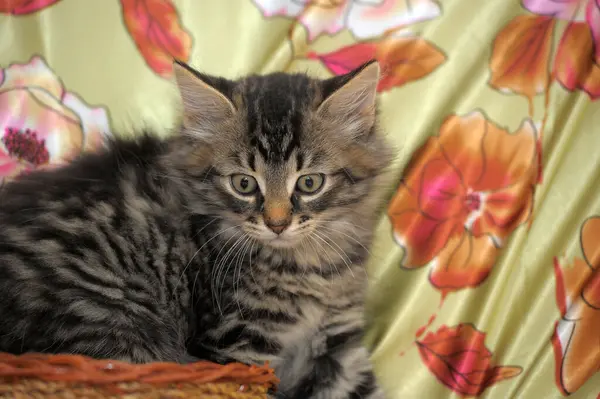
204	107
350	101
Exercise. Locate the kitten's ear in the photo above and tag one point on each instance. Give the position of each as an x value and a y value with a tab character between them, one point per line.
204	107
352	102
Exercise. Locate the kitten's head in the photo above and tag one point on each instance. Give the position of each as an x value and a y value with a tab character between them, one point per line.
284	158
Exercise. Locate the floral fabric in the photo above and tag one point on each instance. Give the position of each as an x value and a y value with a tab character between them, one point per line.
485	275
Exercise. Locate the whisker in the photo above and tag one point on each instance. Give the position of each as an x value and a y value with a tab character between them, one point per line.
336	251
224	267
303	242
346	235
311	241
214	219
331	262
215	268
251	263
239	262
346	222
196	254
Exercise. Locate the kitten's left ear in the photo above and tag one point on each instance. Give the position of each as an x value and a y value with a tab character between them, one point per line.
204	106
352	105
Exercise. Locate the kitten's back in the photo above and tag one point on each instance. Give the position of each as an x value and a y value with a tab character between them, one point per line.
77	271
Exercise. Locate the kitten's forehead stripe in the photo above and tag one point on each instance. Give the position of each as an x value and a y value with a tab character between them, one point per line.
252	162
275	107
299	161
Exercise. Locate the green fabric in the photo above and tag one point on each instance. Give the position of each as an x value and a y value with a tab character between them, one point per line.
484	276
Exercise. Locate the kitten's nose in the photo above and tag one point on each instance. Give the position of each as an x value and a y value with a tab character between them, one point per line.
277	226
277	217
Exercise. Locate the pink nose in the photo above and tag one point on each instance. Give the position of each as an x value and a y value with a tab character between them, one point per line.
279	226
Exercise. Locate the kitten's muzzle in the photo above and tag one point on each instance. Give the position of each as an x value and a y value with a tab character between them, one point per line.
278	228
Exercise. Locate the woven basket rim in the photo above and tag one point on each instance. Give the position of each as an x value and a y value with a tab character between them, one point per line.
83	369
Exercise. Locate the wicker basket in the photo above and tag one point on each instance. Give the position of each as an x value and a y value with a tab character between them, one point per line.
72	376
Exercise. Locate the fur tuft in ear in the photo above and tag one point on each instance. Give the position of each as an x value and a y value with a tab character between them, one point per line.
352	102
204	106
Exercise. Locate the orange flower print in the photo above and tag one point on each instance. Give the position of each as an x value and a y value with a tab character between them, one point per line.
23	7
403	58
459	359
365	19
521	52
575	339
41	123
465	191
155	28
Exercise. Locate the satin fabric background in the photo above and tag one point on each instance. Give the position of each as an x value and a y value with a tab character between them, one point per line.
484	278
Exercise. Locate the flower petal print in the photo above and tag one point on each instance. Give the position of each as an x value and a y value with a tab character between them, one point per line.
459	359
403	59
575	339
566	10
41	124
592	17
464	192
520	57
585	11
365	19
155	28
23	7
465	261
574	67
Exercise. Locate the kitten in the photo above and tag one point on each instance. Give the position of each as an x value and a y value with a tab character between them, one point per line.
241	238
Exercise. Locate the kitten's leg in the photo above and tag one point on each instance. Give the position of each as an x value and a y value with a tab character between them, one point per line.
341	369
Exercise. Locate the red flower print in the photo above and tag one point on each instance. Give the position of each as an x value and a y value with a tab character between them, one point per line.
459	359
465	191
22	7
403	59
521	53
575	339
155	28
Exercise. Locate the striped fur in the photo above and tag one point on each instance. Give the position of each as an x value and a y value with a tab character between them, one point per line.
146	252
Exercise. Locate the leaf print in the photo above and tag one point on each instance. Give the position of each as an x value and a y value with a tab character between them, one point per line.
403	59
521	55
459	359
154	26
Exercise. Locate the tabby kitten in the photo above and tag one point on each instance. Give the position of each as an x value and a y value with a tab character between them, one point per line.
241	238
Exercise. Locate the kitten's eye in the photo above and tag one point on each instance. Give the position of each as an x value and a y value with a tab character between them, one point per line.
244	184
310	184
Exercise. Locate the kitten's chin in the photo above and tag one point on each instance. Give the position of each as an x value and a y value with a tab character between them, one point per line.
281	243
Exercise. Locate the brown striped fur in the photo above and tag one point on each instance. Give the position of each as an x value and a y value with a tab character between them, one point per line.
149	251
